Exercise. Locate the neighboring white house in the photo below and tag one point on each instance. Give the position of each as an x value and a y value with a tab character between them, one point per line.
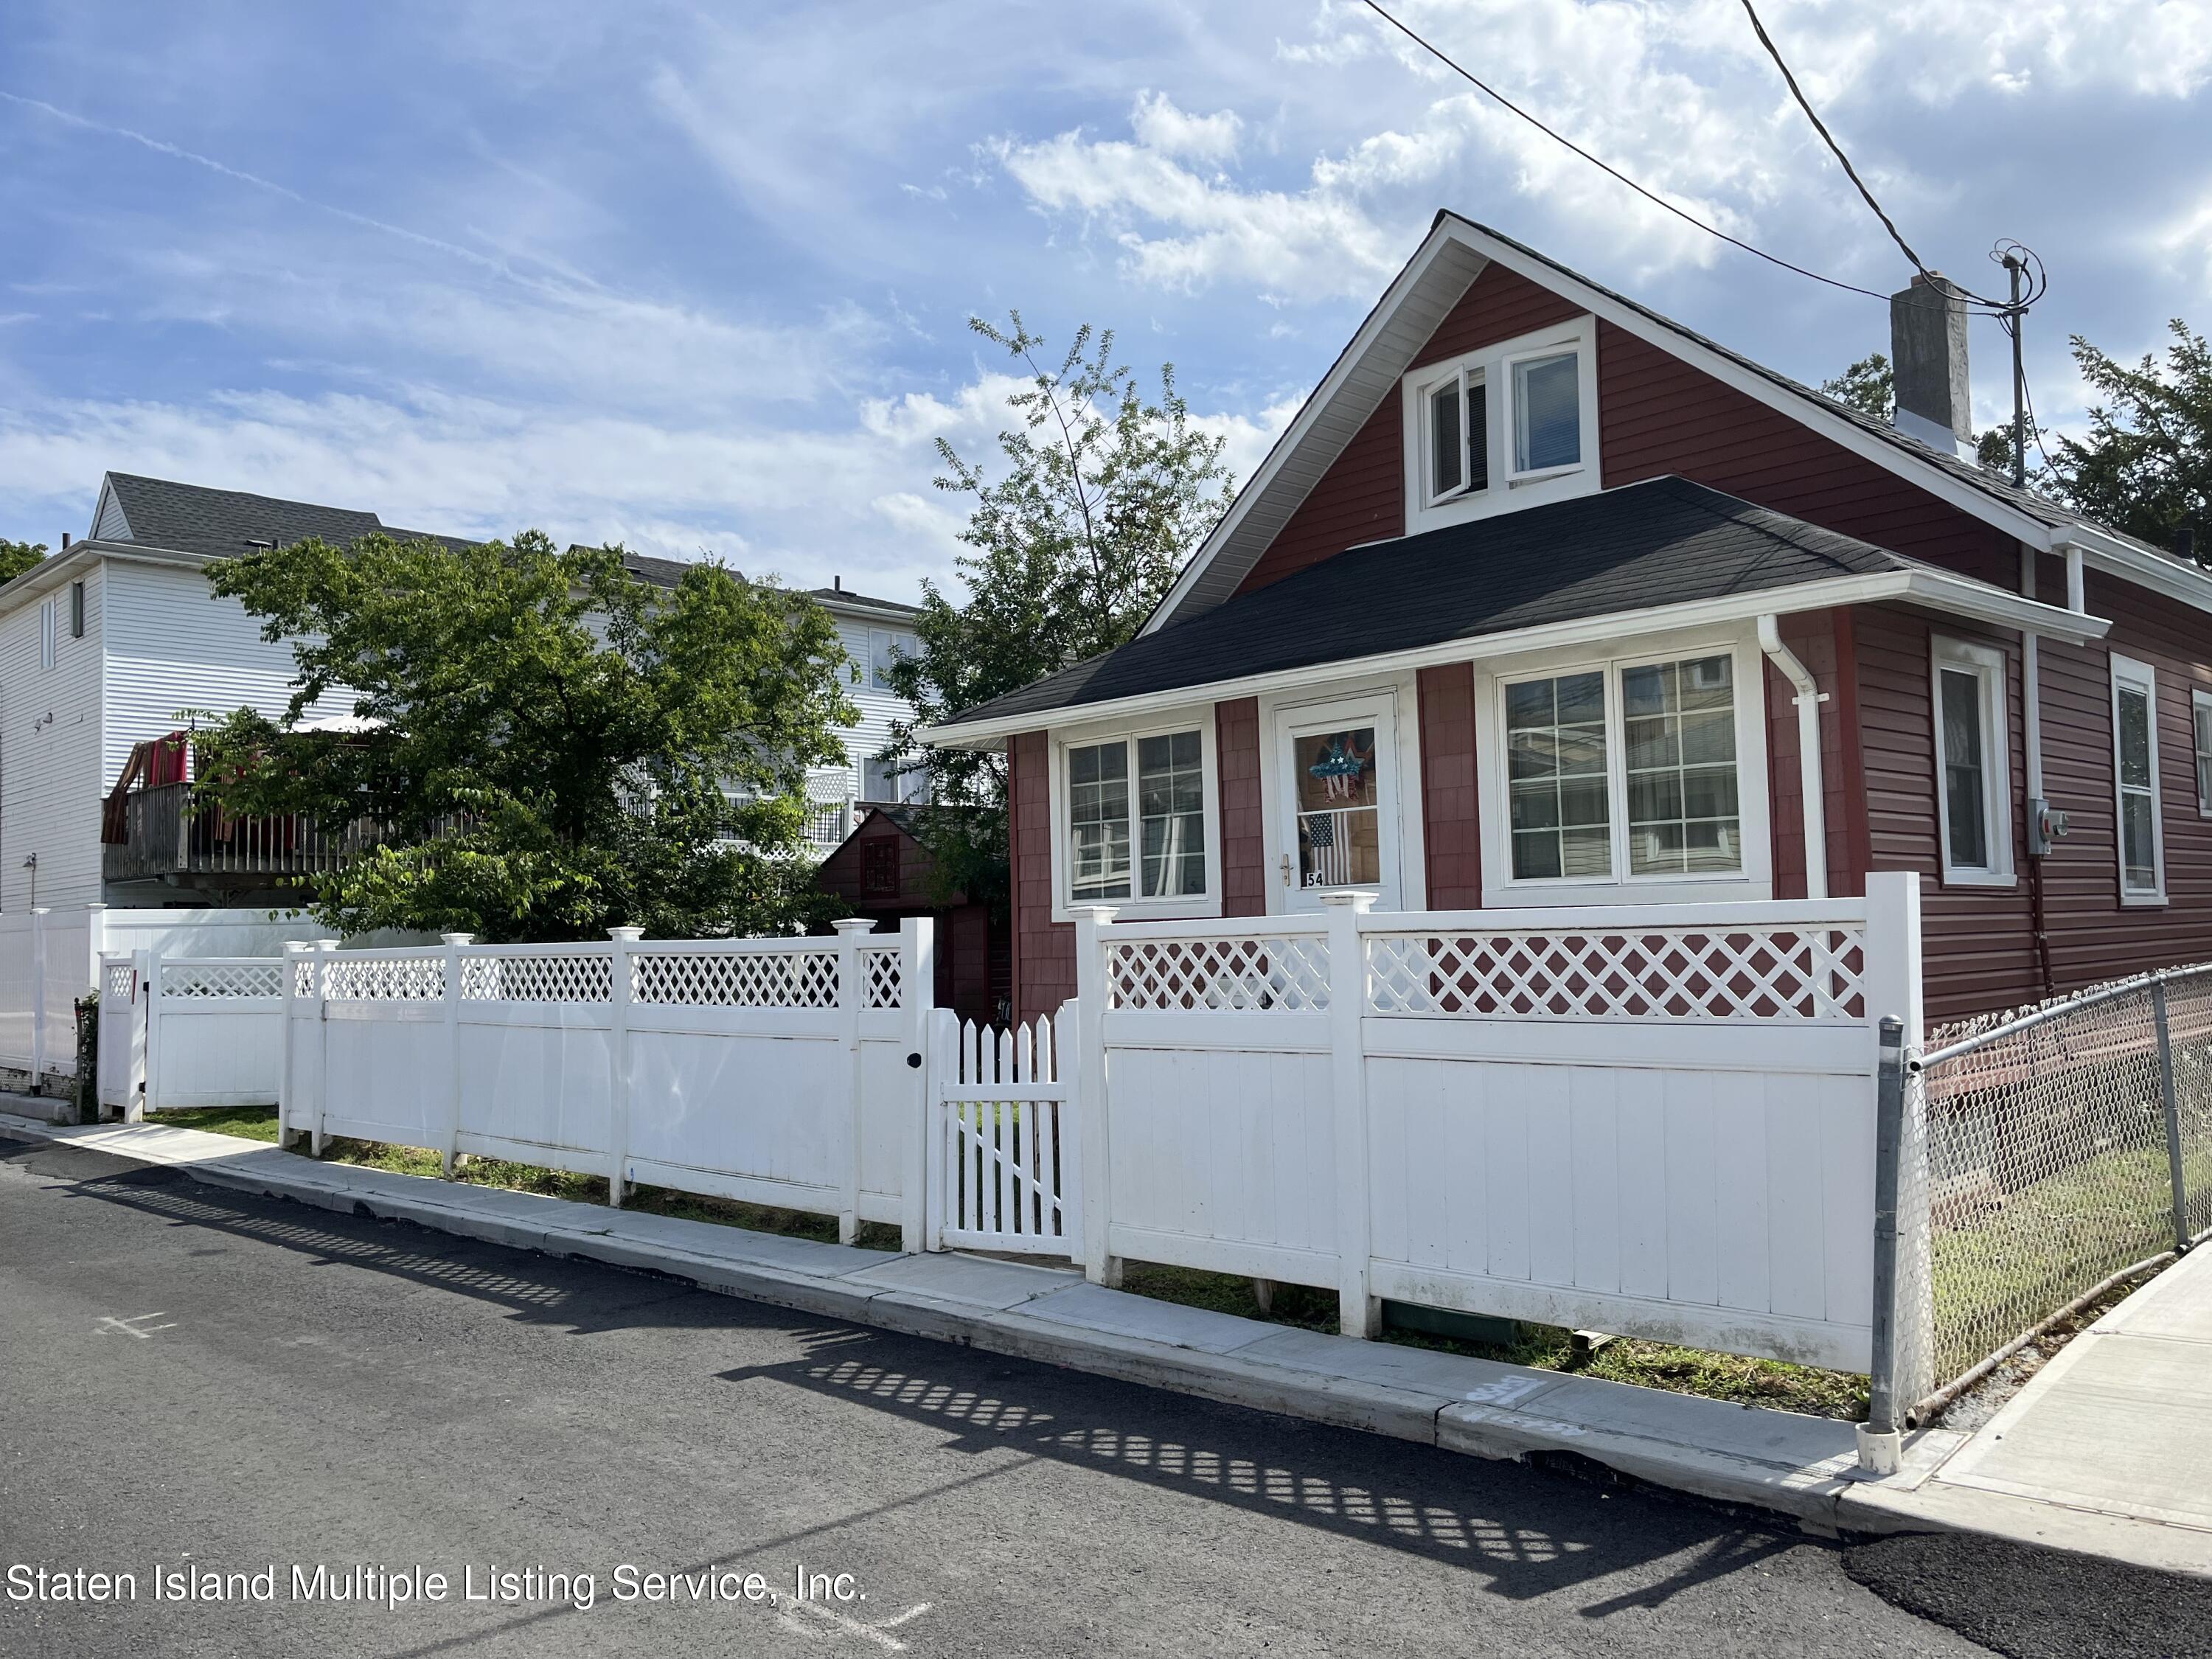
103	643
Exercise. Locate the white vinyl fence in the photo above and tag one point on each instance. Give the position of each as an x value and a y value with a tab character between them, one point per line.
49	958
1658	1120
773	1071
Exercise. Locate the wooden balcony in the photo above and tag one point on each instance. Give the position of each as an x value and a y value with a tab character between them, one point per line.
154	834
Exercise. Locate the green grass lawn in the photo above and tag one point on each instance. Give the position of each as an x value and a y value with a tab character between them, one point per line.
1652	1364
259	1123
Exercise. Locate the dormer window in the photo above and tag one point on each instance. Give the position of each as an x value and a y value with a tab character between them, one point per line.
1506	426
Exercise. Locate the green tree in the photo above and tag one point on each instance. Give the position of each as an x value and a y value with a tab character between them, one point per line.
1869	386
16	557
545	738
2146	465
1101	493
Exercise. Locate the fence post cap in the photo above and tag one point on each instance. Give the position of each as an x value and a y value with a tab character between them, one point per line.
326	944
1101	914
456	939
1362	900
846	925
631	934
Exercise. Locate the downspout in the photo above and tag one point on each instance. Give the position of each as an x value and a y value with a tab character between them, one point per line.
2030	697
1810	789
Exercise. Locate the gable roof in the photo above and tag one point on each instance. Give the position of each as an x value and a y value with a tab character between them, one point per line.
220	523
1665	543
1455	251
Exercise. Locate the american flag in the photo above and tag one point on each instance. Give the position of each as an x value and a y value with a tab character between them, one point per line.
1328	851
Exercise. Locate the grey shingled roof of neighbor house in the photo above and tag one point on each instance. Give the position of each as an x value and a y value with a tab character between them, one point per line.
1665	541
183	518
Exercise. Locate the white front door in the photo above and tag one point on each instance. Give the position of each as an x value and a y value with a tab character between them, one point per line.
1336	817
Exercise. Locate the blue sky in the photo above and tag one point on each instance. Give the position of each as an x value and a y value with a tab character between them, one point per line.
696	278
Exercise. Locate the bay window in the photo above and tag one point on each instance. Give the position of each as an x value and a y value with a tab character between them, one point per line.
1627	772
1136	818
2134	781
1973	790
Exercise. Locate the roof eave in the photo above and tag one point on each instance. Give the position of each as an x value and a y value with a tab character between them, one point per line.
1960	596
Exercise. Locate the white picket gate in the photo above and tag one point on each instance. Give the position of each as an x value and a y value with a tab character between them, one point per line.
1008	1170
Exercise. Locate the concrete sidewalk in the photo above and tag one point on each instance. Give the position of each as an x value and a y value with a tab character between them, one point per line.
1801	1466
2108	1448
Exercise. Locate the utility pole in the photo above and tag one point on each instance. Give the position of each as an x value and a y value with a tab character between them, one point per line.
2015	319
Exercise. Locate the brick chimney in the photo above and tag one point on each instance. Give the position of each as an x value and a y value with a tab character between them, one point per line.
1928	353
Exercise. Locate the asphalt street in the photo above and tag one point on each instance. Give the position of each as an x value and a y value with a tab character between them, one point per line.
199	1384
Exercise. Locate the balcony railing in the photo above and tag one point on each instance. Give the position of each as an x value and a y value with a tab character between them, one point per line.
159	834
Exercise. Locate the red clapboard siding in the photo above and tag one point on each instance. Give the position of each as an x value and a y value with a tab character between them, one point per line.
1657	415
1449	805
1361	498
1044	950
1977	943
1244	851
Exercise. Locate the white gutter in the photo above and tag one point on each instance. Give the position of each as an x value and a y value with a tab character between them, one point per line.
1811	790
1935	589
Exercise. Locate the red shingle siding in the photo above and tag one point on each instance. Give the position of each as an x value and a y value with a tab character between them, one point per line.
1243	849
1361	498
1044	950
1449	805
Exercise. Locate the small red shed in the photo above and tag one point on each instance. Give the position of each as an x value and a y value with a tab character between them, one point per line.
884	871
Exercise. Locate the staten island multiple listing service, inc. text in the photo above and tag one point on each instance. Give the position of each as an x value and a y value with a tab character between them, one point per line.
400	1587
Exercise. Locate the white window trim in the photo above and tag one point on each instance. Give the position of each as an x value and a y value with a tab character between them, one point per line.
1507	492
1987	664
1502	890
2140	676
2198	700
1467	374
1182	906
49	630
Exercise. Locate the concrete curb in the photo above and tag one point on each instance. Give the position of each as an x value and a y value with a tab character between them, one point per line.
1796	1467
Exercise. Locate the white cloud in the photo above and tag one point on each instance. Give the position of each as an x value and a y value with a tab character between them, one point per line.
1159	125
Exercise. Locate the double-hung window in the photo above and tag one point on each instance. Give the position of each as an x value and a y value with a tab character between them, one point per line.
1973	787
1136	818
2199	715
2134	781
1625	770
884	650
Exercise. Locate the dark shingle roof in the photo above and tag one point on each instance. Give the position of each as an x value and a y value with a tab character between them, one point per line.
1665	541
847	596
225	523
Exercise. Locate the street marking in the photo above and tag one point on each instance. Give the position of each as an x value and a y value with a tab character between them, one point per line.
788	1607
135	1326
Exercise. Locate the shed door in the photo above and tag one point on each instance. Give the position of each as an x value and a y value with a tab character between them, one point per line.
1336	822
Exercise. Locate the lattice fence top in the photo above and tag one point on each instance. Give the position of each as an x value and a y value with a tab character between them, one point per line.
1773	974
303	976
781	978
218	980
882	977
582	977
1282	974
122	982
362	978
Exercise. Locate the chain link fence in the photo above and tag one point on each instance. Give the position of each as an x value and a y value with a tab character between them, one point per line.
2040	1160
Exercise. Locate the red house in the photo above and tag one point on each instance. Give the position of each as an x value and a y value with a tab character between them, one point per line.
1545	600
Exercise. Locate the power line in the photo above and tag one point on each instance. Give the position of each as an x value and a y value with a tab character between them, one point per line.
2002	307
1657	200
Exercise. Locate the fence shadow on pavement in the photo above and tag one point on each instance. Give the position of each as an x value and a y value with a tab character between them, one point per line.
1526	1531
